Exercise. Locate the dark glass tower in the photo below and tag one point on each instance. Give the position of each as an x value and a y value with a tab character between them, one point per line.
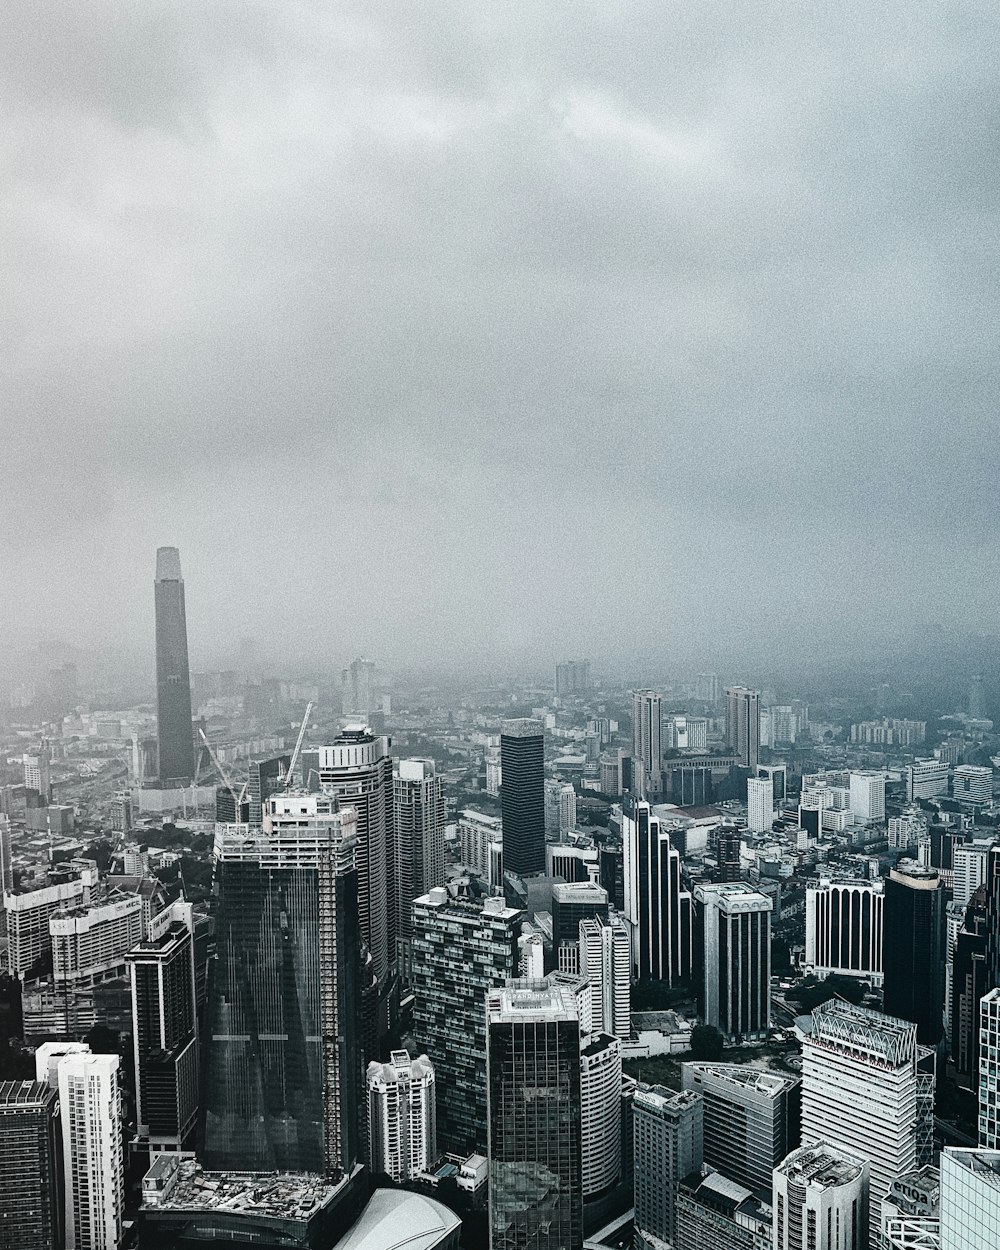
282	1087
173	681
522	796
31	1163
970	981
913	948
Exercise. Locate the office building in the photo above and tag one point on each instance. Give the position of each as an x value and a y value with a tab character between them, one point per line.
760	804
611	773
600	1114
717	1213
735	959
572	677
360	688
462	946
728	855
658	910
165	1034
282	1059
572	903
844	929
861	1091
778	774
867	797
357	770
6	862
646	748
566	819
522	798
973	785
926	779
90	1111
122	813
969	870
534	1117
174	735
821	1200
27	915
992	887
264	778
37	785
666	1147
913	948
606	962
751	1118
402	1117
90	942
970	1198
707	688
969	981
989	1070
476	831
743	725
31	1164
911	1211
420	816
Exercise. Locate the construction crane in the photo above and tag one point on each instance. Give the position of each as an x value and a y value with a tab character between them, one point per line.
298	746
237	798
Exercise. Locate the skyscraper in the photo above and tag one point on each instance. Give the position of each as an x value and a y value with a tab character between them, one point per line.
90	1109
283	1075
977	698
989	1070
174	736
868	797
734	929
743	724
573	902
265	777
419	816
667	1146
821	1200
572	677
533	1078
970	1198
31	1166
658	910
600	1113
606	962
913	948
844	929
165	1033
646	714
760	804
402	1120
969	982
522	797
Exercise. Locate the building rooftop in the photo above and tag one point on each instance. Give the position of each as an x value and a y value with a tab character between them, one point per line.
173	1184
821	1166
841	1025
397	1220
770	1084
548	1003
24	1093
984	1163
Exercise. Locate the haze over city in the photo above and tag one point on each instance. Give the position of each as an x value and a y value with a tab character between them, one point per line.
651	332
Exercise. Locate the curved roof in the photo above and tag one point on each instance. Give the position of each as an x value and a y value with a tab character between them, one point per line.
397	1220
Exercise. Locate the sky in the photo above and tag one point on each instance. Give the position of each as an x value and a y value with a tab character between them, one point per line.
434	331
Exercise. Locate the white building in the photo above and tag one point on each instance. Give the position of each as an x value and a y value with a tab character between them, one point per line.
970	1199
972	784
605	960
402	1117
90	1108
760	804
905	830
600	1113
868	797
646	749
476	831
89	944
860	1091
969	866
926	778
821	1200
567	808
989	1070
844	929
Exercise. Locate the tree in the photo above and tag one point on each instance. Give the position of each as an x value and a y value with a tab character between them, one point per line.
706	1042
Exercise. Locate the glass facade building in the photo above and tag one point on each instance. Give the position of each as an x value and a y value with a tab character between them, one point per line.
30	1159
970	1199
522	797
175	740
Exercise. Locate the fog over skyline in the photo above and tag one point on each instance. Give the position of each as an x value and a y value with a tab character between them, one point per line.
451	329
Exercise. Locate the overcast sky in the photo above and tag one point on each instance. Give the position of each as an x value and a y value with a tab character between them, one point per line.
427	328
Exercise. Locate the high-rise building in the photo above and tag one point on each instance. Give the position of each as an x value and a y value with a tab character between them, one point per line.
666	1147
37	785
90	1109
476	831
522	797
175	739
572	903
165	1033
992	887
821	1200
969	982
715	1212
419	817
969	869
658	910
844	929
868	797
707	688
977	698
926	778
360	688
534	1115
646	749
265	777
121	811
728	852
572	677
31	1166
282	1057
778	774
989	1070
860	1091
90	942
567	809
402	1116
970	1198
751	1118
760	804
357	770
606	962
27	915
6	862
734	959
743	724
972	784
913	948
600	1114
461	947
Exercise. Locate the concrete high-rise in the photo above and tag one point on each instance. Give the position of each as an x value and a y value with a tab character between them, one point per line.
658	909
989	1070
760	804
572	677
970	1199
844	929
402	1120
861	1091
534	1116
573	902
419	817
90	1110
600	1113
667	1146
174	736
606	962
734	959
969	982
743	724
867	797
522	797
31	1166
646	749
282	1056
913	948
821	1200
715	1212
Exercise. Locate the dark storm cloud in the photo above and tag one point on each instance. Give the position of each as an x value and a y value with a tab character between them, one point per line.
467	326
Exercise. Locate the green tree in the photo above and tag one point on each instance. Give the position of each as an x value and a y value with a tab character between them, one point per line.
706	1042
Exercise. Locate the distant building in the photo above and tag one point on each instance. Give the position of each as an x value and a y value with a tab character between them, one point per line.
735	959
707	688
821	1200
31	1165
973	785
667	1147
926	779
844	929
476	831
402	1116
522	754
122	815
174	734
419	817
760	804
743	724
572	677
264	778
90	942
646	748
868	797
27	915
658	910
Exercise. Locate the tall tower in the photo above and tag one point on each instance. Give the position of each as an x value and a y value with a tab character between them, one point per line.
657	909
533	1079
913	948
735	959
606	962
401	1116
522	797
646	714
29	1161
283	1074
743	724
173	682
419	818
90	1107
668	1133
760	804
